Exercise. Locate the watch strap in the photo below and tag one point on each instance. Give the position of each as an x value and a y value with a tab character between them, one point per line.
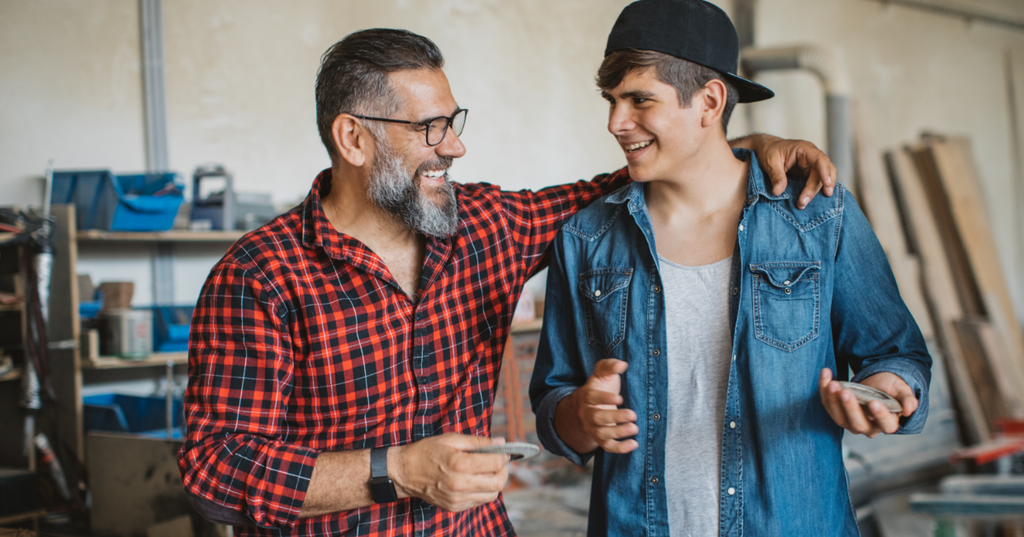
378	462
382	489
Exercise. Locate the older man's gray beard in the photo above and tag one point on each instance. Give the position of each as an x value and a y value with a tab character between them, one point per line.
395	192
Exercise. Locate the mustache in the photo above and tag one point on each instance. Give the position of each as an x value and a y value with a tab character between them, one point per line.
437	163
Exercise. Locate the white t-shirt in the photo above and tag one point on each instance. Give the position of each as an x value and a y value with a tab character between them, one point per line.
699	351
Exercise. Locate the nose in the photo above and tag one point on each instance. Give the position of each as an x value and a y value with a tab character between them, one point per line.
451	146
620	119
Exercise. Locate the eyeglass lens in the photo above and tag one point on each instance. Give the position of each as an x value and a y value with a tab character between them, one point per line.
439	127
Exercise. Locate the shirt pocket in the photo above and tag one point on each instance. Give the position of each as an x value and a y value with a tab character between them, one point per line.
787	299
605	298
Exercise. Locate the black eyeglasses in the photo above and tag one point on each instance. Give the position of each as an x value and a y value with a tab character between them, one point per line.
436	127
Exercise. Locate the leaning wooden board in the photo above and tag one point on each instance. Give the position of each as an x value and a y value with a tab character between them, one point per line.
960	180
879	205
923	238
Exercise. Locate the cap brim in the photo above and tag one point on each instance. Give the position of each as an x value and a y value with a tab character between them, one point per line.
749	92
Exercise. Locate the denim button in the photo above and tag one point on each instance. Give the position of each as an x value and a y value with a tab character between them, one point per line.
656	352
656	417
735	291
741	227
654	480
657	288
734	357
732	424
789	291
597	292
731	491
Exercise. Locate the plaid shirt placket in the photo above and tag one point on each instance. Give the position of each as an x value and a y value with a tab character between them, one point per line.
302	343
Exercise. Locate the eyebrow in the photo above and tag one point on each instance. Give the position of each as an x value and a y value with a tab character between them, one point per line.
426	119
635	94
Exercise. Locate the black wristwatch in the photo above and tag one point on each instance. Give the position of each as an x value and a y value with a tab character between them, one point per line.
381	487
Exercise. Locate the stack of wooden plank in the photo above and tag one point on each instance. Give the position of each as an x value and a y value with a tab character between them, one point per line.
930	217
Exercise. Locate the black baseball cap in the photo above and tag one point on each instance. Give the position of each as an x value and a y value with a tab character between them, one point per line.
692	30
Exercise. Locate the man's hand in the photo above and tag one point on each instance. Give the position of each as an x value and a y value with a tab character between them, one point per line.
777	156
850	415
591	417
440	471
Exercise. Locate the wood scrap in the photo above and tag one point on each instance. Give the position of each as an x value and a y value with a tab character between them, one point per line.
961	184
955	253
923	239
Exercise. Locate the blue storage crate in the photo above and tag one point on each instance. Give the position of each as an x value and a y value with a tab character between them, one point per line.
140	202
130	414
170	328
89	310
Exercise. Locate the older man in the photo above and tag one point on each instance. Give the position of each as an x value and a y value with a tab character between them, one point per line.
344	357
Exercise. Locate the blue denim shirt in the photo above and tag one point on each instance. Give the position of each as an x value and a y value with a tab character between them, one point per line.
810	289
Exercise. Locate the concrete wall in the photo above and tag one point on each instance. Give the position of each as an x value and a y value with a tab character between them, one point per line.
240	89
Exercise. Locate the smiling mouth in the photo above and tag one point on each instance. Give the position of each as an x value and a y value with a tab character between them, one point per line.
435	174
637	146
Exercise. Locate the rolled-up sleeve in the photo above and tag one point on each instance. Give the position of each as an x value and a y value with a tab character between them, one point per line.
873	330
240	372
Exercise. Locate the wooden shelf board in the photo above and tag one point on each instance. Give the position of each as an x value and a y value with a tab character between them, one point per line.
14	519
154	360
158	236
12	307
532	326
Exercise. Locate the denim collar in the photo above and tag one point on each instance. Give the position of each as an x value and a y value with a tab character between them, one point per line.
633	194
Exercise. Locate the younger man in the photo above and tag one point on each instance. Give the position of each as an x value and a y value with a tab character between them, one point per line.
695	320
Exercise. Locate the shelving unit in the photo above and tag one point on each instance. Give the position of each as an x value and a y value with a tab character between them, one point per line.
67	364
14	315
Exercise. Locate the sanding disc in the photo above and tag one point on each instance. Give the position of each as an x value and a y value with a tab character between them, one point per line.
516	450
866	394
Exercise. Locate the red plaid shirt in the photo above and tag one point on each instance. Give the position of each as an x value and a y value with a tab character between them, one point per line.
302	342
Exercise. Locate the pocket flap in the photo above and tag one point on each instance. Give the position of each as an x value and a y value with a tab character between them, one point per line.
786	273
599	284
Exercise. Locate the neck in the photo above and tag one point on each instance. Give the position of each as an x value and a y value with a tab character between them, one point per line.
712	180
349	209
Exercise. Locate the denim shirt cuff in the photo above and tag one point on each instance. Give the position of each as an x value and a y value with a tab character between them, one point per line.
546	426
910	374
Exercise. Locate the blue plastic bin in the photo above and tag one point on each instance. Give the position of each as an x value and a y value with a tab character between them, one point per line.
130	414
170	328
140	202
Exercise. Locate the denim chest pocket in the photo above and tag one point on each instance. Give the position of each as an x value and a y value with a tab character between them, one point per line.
787	298
605	296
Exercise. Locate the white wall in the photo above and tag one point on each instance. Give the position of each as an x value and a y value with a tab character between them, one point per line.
240	80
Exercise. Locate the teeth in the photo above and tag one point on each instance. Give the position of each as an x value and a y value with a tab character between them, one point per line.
435	174
638	145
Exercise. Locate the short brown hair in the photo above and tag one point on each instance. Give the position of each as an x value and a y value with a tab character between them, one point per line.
685	76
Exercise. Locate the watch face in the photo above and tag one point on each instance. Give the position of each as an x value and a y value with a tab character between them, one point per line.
383	490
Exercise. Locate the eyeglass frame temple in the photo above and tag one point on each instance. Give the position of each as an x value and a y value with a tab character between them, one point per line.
425	123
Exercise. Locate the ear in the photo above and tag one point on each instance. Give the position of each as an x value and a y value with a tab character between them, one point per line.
352	142
713	95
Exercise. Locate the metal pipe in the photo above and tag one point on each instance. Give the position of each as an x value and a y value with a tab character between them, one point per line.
958	12
830	69
152	36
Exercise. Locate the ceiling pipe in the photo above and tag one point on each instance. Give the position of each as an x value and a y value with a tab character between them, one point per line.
829	67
